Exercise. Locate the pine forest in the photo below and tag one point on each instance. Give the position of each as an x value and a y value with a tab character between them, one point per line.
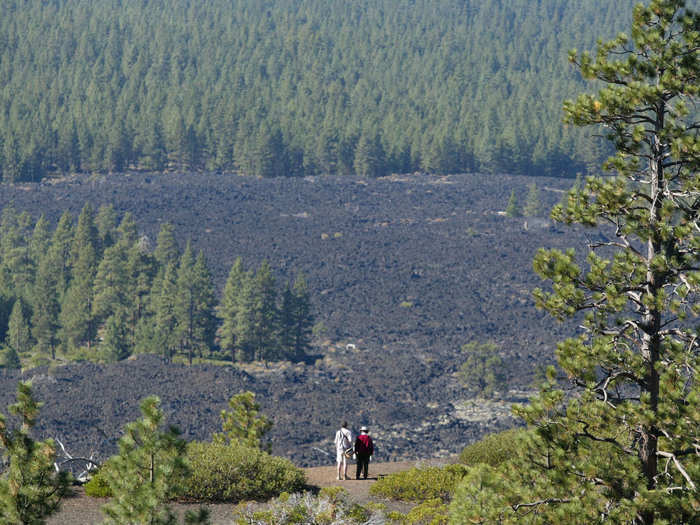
295	88
96	290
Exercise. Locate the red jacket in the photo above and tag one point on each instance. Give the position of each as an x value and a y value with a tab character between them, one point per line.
364	445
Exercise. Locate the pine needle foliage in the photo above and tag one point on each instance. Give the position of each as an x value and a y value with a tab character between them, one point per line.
146	472
482	372
621	445
513	208
30	489
243	425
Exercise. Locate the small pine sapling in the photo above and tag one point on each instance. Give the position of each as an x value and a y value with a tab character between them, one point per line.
31	489
244	425
147	471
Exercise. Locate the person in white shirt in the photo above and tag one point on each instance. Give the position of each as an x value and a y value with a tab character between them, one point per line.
343	443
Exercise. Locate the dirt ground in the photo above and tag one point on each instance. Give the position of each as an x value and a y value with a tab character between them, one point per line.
80	509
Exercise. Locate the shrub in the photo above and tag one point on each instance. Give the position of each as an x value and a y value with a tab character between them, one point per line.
98	487
224	473
430	512
420	484
494	449
326	508
237	473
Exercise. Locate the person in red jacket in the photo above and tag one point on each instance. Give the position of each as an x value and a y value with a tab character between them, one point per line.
364	448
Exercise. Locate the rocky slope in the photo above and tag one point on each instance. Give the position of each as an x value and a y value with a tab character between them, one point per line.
402	270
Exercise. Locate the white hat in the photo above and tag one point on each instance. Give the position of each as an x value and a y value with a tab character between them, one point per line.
364	429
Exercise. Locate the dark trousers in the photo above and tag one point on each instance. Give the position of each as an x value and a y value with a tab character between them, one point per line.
362	465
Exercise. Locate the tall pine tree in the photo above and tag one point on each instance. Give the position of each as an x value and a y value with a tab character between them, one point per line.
622	445
229	307
194	304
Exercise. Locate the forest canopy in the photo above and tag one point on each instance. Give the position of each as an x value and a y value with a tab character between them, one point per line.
294	88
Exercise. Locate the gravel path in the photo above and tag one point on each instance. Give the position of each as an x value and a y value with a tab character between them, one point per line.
84	510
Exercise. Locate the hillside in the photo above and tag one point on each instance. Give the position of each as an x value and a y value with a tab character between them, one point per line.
406	269
295	88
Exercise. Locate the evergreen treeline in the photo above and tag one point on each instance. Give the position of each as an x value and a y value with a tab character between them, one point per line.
287	88
96	290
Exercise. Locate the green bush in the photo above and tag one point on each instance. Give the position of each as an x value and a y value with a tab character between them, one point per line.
494	449
430	512
224	473
98	487
420	484
234	473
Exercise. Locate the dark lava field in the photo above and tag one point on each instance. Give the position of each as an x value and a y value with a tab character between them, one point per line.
402	270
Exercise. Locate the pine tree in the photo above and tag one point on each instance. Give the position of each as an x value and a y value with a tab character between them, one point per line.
140	270
15	239
244	320
115	344
118	151
533	206
13	162
205	318
482	372
127	231
41	240
621	447
296	321
224	131
269	153
106	223
327	149
30	489
243	425
244	149
77	319
264	314
59	252
229	307
45	308
19	331
9	358
112	281
153	152
164	313
182	142
513	209
86	243
2	155
68	150
185	303
167	250
369	157
144	475
286	322
194	304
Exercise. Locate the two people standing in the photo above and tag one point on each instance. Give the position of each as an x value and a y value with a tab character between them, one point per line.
363	449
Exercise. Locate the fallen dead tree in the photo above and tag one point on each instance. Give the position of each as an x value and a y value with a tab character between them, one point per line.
79	467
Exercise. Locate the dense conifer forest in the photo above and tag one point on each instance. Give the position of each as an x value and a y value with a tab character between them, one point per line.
97	290
294	88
